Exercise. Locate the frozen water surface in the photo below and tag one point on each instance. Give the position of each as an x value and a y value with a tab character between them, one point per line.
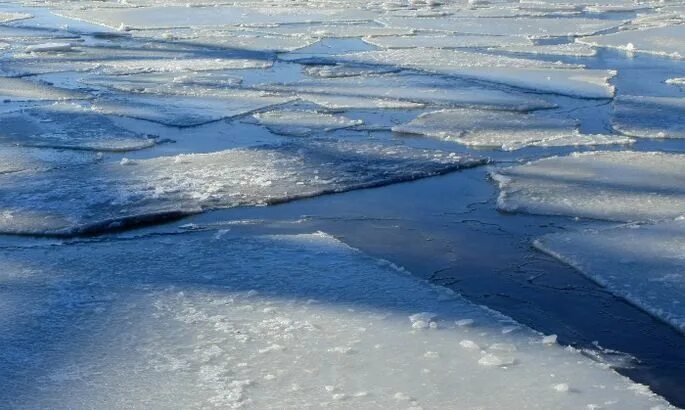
618	186
17	159
644	264
448	41
110	195
504	130
289	321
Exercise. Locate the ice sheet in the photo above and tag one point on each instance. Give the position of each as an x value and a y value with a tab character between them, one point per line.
186	111
643	264
6	17
531	27
18	89
68	125
111	195
17	159
505	130
180	16
665	41
419	89
299	123
214	320
521	73
569	49
618	186
447	41
650	117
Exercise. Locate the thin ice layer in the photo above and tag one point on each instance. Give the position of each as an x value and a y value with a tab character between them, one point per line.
528	74
420	89
186	111
209	319
19	89
111	195
17	159
531	27
6	17
504	130
300	123
65	125
643	264
650	117
617	186
666	41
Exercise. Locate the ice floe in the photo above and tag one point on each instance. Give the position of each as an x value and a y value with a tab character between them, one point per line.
532	27
505	130
568	49
291	321
302	123
666	41
67	125
418	89
521	73
679	81
448	41
619	186
19	89
17	159
649	117
645	264
110	195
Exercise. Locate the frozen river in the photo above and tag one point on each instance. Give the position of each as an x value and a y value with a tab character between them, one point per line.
400	204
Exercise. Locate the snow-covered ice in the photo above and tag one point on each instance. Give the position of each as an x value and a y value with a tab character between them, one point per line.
505	130
448	41
568	49
618	186
650	117
111	195
290	321
645	264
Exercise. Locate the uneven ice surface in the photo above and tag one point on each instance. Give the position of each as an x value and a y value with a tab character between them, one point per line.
301	123
66	125
9	17
420	89
650	117
617	186
111	195
645	264
667	41
528	74
208	319
505	130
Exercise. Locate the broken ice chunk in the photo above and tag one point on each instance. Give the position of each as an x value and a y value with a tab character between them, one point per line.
642	264
618	186
19	89
302	123
666	41
505	130
65	125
